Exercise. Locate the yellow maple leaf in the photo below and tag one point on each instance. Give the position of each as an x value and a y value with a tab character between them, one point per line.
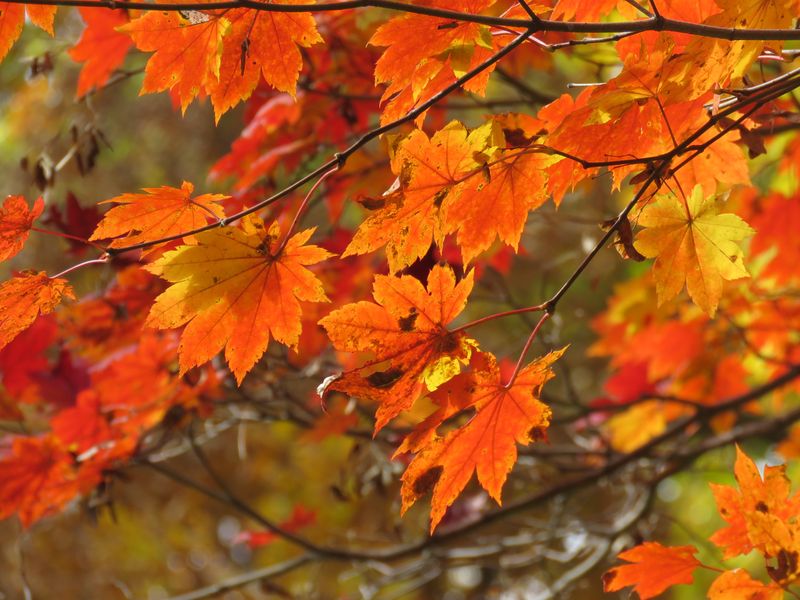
692	243
234	289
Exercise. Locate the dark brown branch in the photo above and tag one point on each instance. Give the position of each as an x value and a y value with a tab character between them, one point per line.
574	483
655	23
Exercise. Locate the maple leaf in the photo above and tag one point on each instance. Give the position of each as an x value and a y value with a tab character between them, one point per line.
222	55
760	514
407	330
708	62
76	220
16	221
26	296
428	169
654	568
232	290
636	426
82	426
693	243
158	213
776	223
186	52
37	478
141	388
735	585
101	47
723	162
261	43
588	10
495	204
12	18
424	54
457	181
23	358
487	444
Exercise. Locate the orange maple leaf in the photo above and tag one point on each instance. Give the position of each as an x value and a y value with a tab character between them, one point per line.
428	170
760	514
37	478
233	289
12	18
457	181
487	444
736	585
776	224
16	221
26	296
655	568
261	43
406	332
222	55
158	213
424	54
101	47
495	204
707	62
186	51
589	10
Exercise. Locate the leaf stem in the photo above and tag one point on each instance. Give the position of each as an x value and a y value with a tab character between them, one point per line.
531	337
302	207
95	261
500	315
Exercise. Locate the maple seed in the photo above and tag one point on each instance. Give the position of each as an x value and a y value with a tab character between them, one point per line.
384	379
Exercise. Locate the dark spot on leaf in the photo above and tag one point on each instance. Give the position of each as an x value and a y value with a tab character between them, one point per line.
440	196
608	577
447	343
407	323
761	507
537	434
516	138
371	203
425	482
384	379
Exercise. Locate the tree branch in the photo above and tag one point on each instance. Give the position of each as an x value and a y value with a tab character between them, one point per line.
655	23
